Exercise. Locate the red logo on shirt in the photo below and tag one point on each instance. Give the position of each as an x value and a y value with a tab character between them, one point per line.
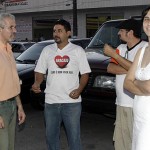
62	61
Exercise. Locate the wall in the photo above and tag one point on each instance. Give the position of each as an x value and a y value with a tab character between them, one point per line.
53	5
26	10
24	27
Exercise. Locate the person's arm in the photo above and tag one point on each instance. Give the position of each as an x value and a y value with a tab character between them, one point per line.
144	86
115	69
135	86
21	113
39	77
122	62
83	81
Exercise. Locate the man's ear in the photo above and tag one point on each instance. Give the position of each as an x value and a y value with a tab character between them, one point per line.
69	33
131	31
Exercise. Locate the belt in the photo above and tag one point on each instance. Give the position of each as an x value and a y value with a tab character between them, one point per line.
8	100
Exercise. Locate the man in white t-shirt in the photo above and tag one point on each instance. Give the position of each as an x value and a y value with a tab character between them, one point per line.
122	58
64	62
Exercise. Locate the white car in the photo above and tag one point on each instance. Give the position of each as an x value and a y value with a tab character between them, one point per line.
19	47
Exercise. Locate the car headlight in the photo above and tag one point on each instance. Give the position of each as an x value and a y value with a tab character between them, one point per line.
104	82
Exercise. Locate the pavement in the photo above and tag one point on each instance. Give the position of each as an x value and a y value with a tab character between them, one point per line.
96	132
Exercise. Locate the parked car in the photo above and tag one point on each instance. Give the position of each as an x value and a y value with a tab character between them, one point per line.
26	64
83	42
19	47
100	91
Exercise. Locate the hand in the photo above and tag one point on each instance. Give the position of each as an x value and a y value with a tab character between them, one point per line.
21	116
108	50
1	122
75	94
36	88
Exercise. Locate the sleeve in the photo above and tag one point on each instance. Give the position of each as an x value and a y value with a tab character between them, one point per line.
83	62
41	65
113	60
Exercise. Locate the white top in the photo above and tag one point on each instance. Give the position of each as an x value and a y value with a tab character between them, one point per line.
63	68
125	98
142	73
141	110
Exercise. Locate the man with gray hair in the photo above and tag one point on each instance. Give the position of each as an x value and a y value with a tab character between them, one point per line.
9	85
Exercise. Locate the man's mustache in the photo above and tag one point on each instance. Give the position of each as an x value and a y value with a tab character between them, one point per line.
56	37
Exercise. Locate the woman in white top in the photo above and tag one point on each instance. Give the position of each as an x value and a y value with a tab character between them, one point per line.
137	81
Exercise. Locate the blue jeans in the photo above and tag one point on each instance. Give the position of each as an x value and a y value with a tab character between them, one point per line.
70	114
7	134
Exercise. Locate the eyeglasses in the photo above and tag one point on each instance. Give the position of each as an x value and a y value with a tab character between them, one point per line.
9	28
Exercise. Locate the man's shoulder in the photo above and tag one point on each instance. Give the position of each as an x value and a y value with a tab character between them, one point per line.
144	43
50	47
76	47
141	44
122	46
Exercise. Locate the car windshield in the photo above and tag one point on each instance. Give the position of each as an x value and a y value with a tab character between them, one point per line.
32	53
81	42
106	34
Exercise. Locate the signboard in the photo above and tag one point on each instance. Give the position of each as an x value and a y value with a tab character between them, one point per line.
16	2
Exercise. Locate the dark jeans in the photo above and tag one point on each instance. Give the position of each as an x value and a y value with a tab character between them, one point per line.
70	114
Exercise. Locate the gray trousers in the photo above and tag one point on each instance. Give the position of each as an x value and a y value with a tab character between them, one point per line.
7	134
123	128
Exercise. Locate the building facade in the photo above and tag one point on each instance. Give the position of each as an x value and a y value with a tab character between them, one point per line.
35	18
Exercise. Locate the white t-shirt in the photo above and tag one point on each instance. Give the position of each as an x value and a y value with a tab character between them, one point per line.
63	68
125	98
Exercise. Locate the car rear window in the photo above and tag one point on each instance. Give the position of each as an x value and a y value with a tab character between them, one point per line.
33	52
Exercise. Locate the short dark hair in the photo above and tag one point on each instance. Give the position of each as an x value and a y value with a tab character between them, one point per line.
64	23
131	24
144	12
